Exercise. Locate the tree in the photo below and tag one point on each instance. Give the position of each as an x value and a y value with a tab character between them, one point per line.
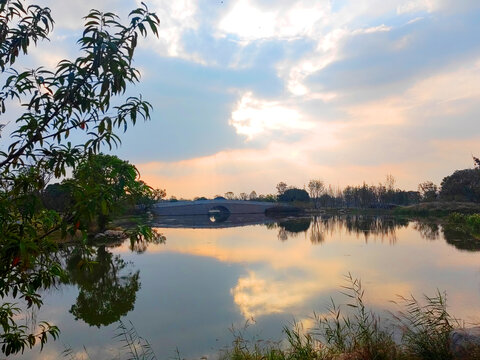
57	197
476	162
315	189
75	97
462	185
294	194
428	191
102	185
243	196
252	196
229	195
281	187
390	183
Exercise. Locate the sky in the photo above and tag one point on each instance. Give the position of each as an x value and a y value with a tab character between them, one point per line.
248	93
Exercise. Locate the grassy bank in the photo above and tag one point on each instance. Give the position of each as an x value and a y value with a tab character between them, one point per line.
438	209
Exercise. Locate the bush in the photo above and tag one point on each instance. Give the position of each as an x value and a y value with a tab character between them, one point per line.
294	194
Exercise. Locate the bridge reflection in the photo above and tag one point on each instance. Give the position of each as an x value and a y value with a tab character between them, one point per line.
210	221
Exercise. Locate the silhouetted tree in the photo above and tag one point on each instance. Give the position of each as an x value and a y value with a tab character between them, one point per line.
294	194
281	187
476	162
229	195
315	189
428	191
462	185
57	197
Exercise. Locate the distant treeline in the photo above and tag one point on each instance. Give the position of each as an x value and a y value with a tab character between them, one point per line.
462	185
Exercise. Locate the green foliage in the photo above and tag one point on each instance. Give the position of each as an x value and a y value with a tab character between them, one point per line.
464	224
75	97
102	186
58	197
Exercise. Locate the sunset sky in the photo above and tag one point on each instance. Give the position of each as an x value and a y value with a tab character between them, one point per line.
248	93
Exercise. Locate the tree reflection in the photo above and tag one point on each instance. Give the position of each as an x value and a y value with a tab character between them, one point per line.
318	226
292	227
317	231
377	226
107	286
427	230
461	240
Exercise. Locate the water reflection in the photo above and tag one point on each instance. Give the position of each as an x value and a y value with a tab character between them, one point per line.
292	227
428	230
316	227
107	287
186	292
460	240
217	219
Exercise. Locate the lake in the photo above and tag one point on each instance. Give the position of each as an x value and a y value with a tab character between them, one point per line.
211	275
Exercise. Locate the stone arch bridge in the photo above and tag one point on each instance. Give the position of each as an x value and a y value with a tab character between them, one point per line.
211	207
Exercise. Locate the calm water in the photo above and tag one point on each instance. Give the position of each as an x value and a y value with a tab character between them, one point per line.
188	292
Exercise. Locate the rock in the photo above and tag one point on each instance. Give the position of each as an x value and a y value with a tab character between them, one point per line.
112	234
465	341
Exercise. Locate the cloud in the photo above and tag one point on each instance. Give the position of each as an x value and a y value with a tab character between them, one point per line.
254	117
249	22
410	135
256	296
176	18
417	6
252	92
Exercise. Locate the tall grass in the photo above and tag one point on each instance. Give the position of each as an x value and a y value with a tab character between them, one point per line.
360	334
427	327
134	347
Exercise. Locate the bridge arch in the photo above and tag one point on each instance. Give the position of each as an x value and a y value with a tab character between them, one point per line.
218	213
